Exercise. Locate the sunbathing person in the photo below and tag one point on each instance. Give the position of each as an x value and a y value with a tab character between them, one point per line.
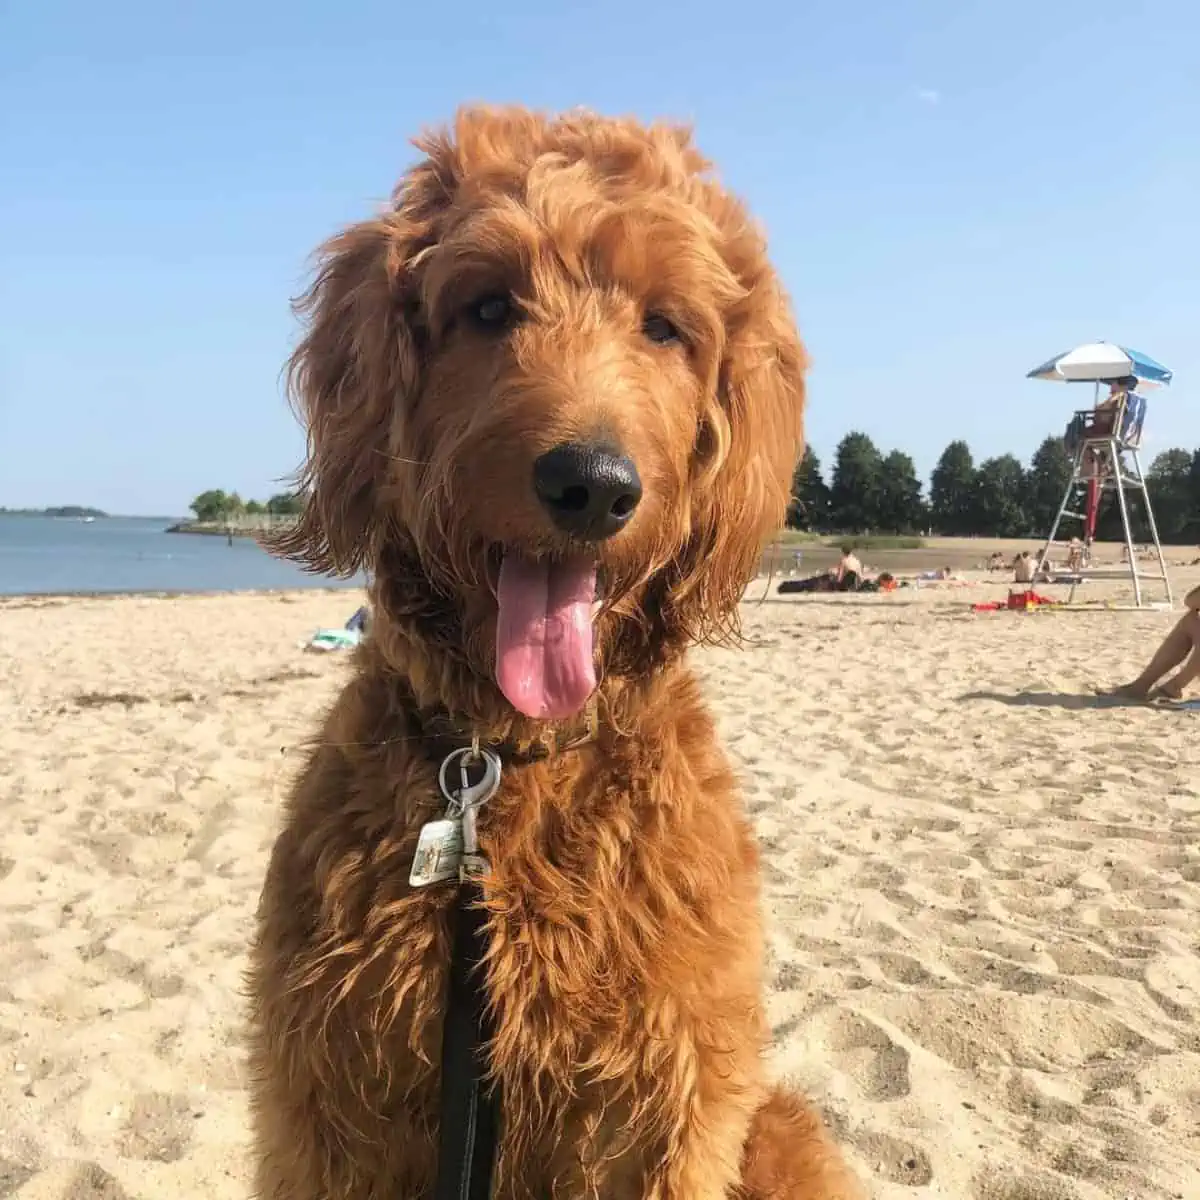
1182	643
823	581
827	581
849	572
941	575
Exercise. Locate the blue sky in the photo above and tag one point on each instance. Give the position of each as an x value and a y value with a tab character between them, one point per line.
954	190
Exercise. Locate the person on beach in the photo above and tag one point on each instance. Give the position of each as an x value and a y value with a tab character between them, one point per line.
1182	643
1119	390
1023	567
849	573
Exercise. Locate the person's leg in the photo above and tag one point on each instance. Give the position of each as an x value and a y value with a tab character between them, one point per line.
1183	640
1178	683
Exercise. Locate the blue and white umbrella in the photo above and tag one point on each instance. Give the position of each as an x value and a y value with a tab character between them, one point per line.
1102	362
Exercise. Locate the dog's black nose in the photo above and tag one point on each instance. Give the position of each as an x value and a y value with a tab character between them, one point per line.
588	490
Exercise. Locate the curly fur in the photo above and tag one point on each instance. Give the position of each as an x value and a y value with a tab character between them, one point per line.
625	963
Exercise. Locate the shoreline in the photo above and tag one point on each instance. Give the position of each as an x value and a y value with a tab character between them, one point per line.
789	556
244	527
775	567
23	599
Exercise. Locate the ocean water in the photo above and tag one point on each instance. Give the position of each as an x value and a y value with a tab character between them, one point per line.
46	555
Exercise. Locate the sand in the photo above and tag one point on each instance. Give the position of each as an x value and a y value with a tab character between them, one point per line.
983	887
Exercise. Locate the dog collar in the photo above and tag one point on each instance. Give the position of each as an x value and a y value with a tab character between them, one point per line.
444	733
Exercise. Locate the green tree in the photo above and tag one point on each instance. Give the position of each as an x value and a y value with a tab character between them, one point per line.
212	505
1194	486
1169	482
1046	482
901	505
1000	498
952	492
285	504
854	493
255	508
1108	521
217	505
809	505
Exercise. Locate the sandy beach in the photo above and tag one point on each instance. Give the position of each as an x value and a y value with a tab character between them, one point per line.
982	885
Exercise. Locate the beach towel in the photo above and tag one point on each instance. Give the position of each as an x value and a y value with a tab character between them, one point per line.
345	638
334	639
1027	601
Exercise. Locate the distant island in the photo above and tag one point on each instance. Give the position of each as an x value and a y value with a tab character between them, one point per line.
63	510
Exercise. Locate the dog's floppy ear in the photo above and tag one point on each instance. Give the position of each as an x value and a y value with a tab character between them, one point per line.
752	437
357	361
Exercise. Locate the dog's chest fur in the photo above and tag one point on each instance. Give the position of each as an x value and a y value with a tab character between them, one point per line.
622	886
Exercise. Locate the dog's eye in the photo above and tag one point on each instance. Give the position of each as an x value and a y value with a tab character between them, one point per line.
492	312
659	330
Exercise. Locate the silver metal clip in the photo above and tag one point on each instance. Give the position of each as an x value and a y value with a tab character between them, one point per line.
467	798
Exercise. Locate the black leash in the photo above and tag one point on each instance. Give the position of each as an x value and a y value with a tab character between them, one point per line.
470	1108
448	849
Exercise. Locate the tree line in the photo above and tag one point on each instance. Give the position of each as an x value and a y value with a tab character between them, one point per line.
61	510
216	506
872	492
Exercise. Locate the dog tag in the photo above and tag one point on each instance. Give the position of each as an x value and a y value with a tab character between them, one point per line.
439	853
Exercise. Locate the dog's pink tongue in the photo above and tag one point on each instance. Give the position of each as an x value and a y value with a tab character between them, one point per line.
544	662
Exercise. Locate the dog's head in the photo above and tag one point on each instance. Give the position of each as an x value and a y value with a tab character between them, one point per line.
557	390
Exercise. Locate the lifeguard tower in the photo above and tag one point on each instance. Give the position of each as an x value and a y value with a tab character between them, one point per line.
1104	442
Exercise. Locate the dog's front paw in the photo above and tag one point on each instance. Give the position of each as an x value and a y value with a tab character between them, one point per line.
789	1155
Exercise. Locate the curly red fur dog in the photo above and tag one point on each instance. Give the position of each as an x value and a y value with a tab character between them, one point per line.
554	398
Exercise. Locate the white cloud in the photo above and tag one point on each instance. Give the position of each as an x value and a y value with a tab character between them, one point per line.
929	95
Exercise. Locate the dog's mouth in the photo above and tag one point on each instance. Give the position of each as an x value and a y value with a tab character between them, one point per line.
545	646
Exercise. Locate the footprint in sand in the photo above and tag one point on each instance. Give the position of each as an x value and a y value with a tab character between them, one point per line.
972	1030
905	970
865	1052
989	971
1024	1095
159	1128
92	1182
1081	958
996	1184
12	1176
892	1159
